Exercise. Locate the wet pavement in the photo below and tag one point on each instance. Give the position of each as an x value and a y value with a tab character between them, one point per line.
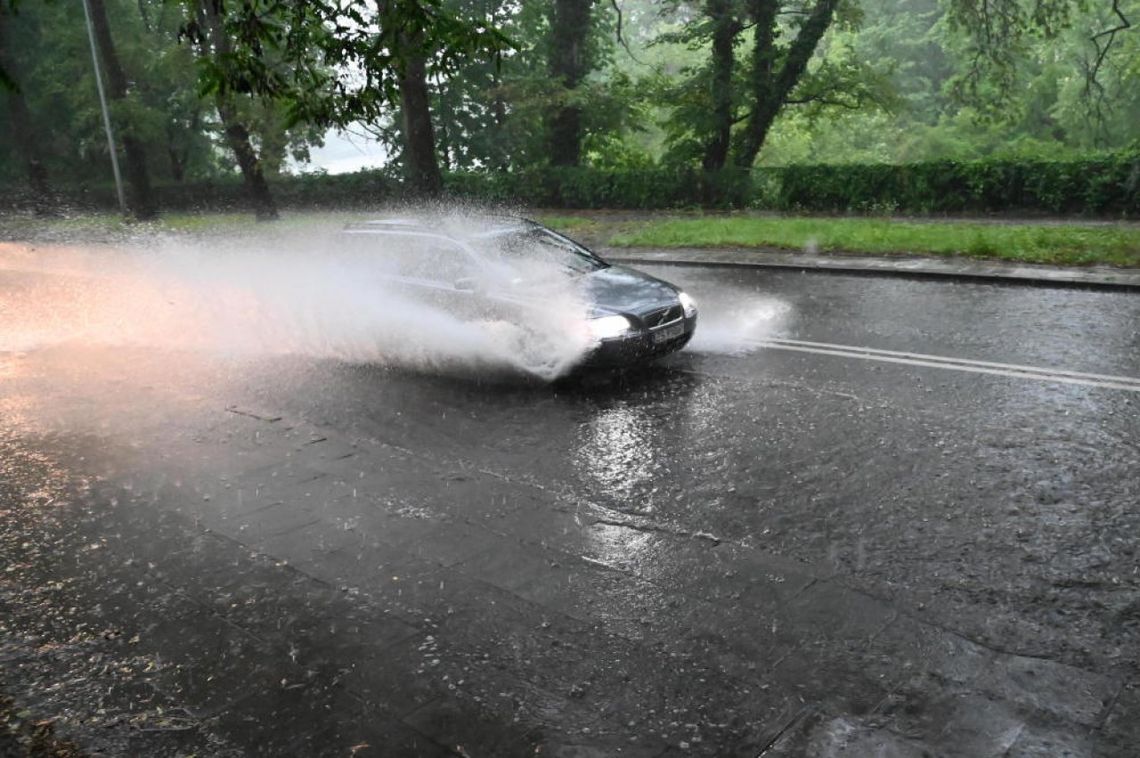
859	516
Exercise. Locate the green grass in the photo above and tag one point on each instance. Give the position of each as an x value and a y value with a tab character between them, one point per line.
114	226
1028	243
1063	244
567	223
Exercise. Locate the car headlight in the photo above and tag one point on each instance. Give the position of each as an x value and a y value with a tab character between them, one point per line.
688	303
608	327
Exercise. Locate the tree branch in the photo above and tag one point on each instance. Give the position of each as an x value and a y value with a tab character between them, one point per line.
622	39
1102	50
824	100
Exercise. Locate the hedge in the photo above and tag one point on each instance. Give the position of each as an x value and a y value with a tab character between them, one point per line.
1096	187
1103	186
591	188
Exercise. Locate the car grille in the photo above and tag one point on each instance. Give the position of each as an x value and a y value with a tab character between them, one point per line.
662	316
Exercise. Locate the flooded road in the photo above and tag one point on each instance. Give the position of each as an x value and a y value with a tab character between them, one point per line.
857	516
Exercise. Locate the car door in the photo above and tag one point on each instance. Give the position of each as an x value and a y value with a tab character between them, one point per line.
443	273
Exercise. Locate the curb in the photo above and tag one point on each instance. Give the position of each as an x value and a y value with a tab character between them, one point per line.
902	265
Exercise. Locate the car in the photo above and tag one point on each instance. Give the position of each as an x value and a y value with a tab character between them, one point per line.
515	269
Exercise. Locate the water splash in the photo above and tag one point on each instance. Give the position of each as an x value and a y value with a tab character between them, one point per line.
299	292
737	321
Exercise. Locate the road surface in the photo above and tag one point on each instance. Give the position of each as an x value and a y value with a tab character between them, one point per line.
859	516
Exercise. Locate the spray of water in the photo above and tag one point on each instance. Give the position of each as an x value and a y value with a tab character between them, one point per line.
313	292
737	322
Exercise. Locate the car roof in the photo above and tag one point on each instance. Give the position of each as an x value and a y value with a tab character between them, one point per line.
472	227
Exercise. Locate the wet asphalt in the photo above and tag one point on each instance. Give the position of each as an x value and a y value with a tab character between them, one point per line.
749	548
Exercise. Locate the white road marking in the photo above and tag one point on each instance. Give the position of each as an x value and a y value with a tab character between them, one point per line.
1128	383
964	361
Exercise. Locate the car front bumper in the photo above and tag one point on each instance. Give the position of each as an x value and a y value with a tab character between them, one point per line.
640	346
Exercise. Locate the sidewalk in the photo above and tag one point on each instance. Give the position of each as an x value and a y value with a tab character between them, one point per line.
897	265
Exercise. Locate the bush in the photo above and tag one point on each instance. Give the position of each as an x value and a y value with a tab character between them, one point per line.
1100	186
634	188
1107	185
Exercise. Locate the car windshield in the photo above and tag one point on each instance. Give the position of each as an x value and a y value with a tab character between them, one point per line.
540	247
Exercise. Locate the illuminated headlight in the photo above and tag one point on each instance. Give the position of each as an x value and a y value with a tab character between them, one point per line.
609	327
688	303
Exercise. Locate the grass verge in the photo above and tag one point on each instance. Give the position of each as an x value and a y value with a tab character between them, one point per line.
114	227
1058	244
1073	245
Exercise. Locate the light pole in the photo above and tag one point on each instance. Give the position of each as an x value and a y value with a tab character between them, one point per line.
106	115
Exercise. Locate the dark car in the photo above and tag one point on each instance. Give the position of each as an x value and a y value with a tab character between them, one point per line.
505	267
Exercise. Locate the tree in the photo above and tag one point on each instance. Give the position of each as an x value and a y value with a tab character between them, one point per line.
140	198
172	117
998	38
775	72
569	63
23	128
333	63
725	113
725	26
209	31
420	163
7	82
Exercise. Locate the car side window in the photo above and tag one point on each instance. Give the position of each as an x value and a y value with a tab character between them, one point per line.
370	251
433	259
415	256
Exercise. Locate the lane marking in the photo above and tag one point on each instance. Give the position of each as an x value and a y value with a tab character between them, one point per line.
1127	383
962	361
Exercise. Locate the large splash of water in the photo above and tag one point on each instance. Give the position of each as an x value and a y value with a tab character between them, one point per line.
309	291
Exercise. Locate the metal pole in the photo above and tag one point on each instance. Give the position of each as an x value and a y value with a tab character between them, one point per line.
106	115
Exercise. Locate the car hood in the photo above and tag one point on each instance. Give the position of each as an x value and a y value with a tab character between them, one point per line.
617	289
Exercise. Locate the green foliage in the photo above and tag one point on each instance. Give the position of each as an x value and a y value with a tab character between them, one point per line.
1054	111
1105	186
493	113
566	187
883	91
162	109
1109	185
774	55
333	62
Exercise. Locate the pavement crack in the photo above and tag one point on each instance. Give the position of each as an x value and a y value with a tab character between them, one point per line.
995	648
248	414
796	718
813	581
1107	711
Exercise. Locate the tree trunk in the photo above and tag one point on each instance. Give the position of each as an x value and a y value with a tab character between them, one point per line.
725	29
569	30
770	90
237	137
177	163
236	133
420	161
22	129
140	198
25	136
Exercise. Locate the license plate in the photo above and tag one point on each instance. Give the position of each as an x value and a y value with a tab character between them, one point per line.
668	333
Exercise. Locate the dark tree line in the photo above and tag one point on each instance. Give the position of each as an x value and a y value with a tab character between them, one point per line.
141	201
201	87
22	125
